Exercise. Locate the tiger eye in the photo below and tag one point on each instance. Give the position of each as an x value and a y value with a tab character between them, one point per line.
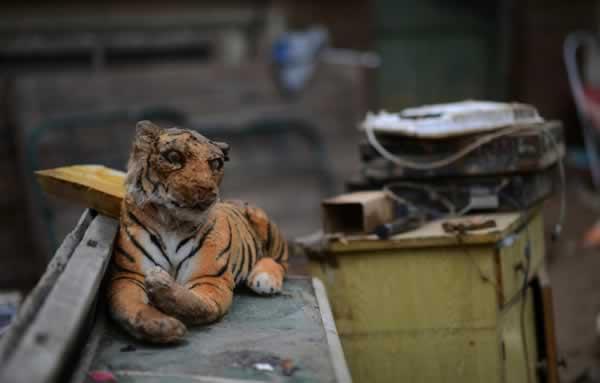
216	164
174	157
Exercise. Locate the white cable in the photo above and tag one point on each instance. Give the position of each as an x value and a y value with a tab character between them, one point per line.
444	161
563	185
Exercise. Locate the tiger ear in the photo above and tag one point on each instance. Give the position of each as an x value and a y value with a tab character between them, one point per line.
147	130
146	136
224	148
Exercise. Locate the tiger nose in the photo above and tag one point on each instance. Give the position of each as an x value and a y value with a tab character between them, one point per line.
205	194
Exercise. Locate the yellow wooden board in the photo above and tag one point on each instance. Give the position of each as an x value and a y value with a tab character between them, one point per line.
517	352
389	291
94	186
513	261
448	355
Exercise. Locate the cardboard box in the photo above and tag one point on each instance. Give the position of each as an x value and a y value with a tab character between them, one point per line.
358	212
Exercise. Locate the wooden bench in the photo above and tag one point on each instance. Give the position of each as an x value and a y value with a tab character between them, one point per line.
62	333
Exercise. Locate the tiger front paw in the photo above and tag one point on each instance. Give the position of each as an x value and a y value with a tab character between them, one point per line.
264	283
157	280
159	286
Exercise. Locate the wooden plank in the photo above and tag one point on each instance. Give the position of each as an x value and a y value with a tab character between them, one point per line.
549	326
89	350
93	18
36	297
518	341
95	186
340	367
43	350
428	288
513	252
433	355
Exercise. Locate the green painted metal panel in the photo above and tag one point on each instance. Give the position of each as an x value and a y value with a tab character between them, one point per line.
439	51
434	15
420	71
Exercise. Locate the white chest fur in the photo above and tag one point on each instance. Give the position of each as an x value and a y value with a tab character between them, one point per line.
170	250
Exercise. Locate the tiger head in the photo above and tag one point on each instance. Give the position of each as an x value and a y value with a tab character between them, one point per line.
175	168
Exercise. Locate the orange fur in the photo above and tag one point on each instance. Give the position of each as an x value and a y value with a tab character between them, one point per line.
180	251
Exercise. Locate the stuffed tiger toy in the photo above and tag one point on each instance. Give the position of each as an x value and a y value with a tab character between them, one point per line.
180	251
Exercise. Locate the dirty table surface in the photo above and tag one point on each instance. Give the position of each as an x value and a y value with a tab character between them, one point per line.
284	332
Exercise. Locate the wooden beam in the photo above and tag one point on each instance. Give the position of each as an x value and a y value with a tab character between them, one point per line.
94	186
340	367
46	345
549	326
36	297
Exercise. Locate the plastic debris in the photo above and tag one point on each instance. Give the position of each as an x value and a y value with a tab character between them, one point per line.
102	376
264	367
9	304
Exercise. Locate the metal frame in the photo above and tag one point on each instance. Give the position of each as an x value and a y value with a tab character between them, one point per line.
573	43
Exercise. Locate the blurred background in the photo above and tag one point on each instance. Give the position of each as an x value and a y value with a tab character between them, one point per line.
75	77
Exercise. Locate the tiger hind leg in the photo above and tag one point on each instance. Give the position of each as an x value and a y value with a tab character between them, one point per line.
266	277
